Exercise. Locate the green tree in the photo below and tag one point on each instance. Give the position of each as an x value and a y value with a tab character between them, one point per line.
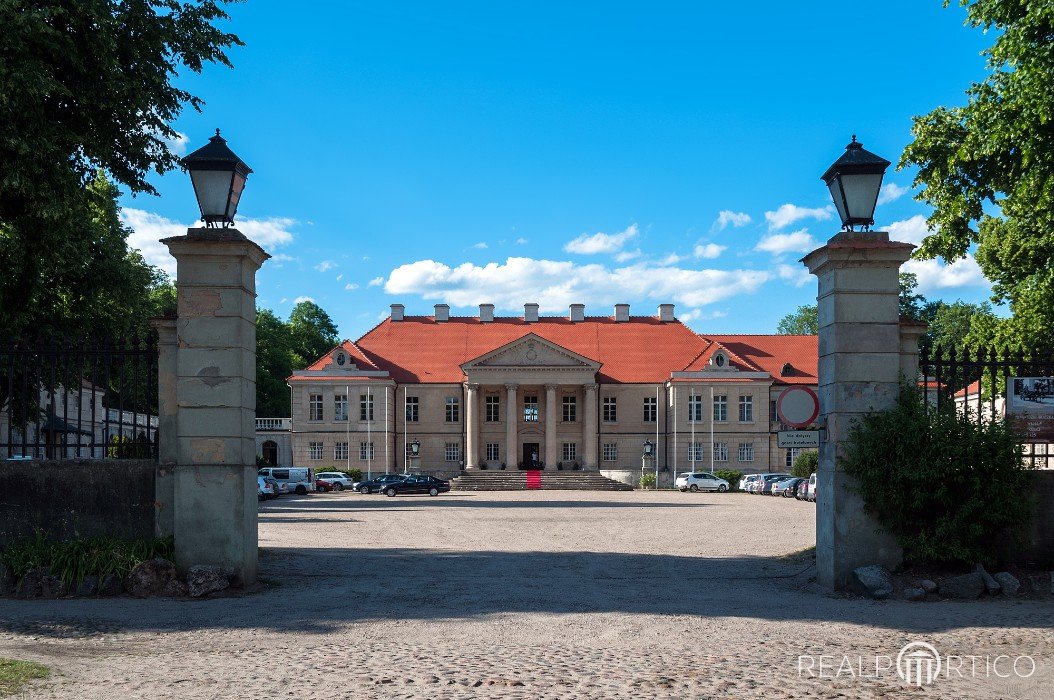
987	168
313	332
275	361
912	304
805	464
801	322
952	325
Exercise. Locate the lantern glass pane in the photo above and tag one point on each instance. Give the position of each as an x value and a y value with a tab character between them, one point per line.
236	194
861	193
211	187
836	195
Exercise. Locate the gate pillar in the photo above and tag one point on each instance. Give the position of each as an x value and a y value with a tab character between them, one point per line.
215	477
859	372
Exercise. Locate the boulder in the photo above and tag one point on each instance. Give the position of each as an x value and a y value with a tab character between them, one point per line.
149	578
872	581
928	586
29	585
175	589
111	585
7	581
914	594
52	586
967	586
203	580
990	584
1008	582
88	586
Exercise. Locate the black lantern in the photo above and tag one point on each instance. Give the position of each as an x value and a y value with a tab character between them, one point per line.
855	180
649	449
219	177
415	448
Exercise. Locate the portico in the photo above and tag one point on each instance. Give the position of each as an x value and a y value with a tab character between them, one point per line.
552	404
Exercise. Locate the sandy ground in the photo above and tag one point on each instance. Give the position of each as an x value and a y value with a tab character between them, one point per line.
525	595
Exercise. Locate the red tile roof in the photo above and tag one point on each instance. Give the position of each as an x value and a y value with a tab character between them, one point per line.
771	352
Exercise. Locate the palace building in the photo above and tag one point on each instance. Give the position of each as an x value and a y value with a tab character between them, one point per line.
575	391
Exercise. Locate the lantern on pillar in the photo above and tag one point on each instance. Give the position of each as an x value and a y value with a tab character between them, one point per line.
855	180
415	448
218	176
649	448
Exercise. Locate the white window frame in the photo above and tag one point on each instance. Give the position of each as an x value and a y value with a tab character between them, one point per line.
610	409
695	408
452	451
314	408
366	407
610	452
316	450
720	451
746	452
493	451
492	409
720	408
570	409
340	407
746	408
531	411
570	451
651	409
367	451
340	451
413	409
451	410
696	452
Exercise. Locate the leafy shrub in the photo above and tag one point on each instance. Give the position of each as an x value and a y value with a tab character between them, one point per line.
731	476
647	481
950	488
805	464
72	560
125	447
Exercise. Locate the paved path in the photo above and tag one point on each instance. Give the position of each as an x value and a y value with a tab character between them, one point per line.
520	595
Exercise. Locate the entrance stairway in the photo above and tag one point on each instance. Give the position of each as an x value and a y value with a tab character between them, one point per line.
546	480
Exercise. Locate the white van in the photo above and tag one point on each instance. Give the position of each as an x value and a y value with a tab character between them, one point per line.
300	480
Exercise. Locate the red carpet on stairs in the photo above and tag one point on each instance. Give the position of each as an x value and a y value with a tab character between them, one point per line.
534	479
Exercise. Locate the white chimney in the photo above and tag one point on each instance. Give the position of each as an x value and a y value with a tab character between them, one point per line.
578	313
621	313
530	313
442	312
397	312
666	312
486	313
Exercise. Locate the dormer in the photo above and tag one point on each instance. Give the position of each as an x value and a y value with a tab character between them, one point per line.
341	360
719	360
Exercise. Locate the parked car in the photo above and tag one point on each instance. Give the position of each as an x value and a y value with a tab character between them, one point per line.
747	481
417	483
377	484
300	480
812	487
786	487
802	492
323	485
700	481
764	485
340	480
264	490
279	489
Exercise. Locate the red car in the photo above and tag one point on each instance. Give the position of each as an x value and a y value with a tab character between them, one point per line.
323	485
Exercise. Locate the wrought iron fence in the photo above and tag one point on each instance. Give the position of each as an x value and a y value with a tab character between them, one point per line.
987	383
95	399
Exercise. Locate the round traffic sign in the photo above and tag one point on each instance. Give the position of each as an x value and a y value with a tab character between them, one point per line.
798	406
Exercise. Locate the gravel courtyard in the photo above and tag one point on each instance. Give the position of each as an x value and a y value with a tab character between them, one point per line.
521	595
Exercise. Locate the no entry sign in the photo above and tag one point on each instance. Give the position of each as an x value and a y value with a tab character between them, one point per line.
798	406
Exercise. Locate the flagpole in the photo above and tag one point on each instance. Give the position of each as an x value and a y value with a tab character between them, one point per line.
387	451
691	419
369	445
712	428
347	423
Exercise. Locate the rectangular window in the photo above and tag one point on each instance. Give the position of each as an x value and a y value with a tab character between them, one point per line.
365	450
746	409
570	409
695	452
792	454
340	451
493	452
453	410
570	451
366	407
610	451
530	409
314	450
412	409
452	452
772	411
651	409
610	409
746	452
720	451
314	409
340	407
720	407
695	408
492	404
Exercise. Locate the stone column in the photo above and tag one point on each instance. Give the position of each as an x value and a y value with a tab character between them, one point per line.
471	427
859	372
167	429
511	445
910	332
215	482
552	455
589	428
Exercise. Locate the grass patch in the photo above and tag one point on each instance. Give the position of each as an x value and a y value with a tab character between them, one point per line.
72	560
14	675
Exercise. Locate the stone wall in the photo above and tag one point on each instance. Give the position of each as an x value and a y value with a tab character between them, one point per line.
77	497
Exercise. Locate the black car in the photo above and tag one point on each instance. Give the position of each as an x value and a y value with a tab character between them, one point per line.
417	484
377	484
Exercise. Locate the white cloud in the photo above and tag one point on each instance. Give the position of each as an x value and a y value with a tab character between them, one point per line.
797	275
351	286
178	144
736	219
284	300
325	265
780	243
340	277
480	246
671	259
278	259
911	230
602	242
936	274
709	251
699	315
788	214
891	192
521	241
375	282
627	255
301	299
148	228
555	284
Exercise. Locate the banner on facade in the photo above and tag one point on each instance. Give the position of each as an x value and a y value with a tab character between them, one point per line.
1030	403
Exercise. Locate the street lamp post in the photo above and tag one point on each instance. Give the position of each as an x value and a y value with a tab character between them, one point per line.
415	451
855	180
649	454
218	176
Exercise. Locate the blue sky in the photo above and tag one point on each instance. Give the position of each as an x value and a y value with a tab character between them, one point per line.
556	152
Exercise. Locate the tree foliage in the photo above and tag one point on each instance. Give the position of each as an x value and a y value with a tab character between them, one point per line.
987	168
802	321
313	331
805	464
285	346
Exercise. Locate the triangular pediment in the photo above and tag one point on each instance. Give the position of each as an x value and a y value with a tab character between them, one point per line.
531	351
